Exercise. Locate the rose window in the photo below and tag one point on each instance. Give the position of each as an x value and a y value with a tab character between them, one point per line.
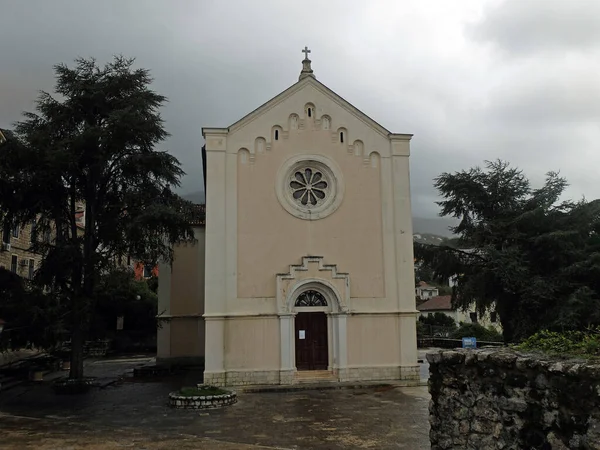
309	187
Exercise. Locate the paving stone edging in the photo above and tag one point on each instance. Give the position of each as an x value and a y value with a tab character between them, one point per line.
201	401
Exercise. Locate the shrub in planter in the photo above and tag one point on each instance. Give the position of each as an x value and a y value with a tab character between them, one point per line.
201	390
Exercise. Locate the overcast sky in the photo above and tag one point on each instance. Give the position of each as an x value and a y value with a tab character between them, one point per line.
472	79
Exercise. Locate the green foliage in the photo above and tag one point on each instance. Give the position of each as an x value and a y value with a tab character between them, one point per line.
532	259
423	273
422	328
93	144
201	391
118	293
478	331
438	319
33	317
570	343
153	284
444	290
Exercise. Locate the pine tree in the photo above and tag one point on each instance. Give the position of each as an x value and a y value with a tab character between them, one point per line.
522	252
93	144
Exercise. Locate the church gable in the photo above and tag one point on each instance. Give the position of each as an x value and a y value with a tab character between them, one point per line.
308	105
307	162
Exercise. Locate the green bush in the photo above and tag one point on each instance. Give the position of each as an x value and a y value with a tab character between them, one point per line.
477	331
438	319
578	343
201	391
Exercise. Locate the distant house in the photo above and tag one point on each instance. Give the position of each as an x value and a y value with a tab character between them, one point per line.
423	291
443	304
144	271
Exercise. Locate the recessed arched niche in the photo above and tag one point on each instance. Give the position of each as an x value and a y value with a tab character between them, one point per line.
375	159
358	147
244	156
326	122
276	133
260	144
309	111
294	121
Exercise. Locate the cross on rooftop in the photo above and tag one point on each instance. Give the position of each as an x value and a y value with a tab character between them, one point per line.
306	51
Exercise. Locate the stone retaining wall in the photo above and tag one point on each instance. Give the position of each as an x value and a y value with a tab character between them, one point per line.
503	399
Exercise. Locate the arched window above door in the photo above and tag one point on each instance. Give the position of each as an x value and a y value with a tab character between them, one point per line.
311	298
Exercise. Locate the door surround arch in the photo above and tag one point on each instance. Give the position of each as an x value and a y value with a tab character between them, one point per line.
335	289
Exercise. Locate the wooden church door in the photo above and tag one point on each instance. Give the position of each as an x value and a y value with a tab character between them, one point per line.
311	341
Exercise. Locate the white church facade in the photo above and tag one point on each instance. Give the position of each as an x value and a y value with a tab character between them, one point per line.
303	267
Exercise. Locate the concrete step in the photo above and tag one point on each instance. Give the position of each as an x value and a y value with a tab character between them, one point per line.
315	376
325	386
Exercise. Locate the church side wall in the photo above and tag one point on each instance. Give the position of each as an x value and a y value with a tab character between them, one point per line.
181	303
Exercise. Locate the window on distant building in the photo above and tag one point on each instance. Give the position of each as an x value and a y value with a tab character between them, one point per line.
493	317
31	268
15	230
6	233
33	224
14	260
473	316
147	270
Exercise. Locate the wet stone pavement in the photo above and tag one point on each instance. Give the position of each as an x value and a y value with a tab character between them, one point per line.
130	413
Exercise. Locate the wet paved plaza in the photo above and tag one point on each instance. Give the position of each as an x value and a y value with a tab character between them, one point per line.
134	414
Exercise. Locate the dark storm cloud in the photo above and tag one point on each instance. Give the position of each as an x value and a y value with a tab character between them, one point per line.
422	67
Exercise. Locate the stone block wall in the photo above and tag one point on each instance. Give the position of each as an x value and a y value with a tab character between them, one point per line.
503	399
407	373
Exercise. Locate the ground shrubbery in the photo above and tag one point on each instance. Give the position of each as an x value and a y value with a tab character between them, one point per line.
477	331
201	391
570	343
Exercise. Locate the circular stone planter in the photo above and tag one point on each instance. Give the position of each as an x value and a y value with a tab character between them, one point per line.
176	400
68	386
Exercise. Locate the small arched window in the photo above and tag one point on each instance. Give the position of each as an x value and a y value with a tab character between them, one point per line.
342	137
276	135
309	112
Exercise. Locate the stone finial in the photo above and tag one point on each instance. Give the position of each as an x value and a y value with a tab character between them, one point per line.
306	69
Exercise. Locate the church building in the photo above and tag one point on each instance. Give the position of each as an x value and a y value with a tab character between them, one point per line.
303	265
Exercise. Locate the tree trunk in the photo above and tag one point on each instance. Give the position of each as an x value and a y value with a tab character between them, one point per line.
77	341
505	309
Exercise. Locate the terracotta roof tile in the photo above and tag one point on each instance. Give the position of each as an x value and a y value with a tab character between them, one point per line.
439	303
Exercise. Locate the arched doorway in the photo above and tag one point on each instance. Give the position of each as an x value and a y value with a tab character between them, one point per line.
311	337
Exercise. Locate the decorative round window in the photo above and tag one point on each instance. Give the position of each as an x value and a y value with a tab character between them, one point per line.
310	187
